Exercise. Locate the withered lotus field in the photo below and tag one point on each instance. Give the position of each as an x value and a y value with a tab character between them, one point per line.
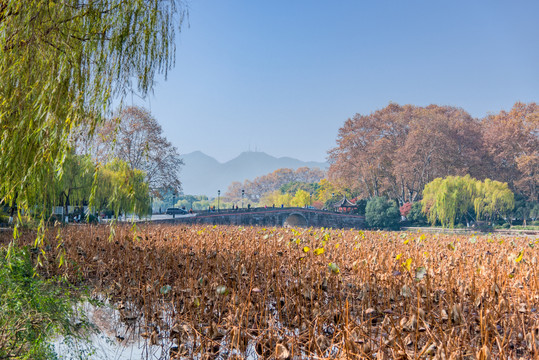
235	292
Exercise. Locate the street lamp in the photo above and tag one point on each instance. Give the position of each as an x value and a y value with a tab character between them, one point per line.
173	203
218	196
332	202
242	194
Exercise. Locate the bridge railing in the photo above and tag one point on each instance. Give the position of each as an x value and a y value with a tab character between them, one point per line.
269	208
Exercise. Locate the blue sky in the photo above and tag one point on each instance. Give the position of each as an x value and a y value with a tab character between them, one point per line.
282	76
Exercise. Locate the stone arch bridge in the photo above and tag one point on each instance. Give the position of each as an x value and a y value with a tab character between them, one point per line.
296	217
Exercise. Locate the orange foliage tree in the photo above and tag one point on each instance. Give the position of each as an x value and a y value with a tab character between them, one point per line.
512	142
257	188
395	151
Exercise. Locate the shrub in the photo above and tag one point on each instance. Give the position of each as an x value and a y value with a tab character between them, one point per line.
33	309
382	213
4	219
361	206
405	209
416	215
92	219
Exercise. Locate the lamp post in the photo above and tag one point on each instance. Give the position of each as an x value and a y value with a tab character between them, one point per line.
242	194
218	199
332	203
173	203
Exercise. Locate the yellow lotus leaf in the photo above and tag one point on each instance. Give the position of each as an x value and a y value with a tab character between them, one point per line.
306	249
407	264
319	251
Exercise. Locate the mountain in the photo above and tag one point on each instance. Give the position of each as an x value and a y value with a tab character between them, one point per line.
204	175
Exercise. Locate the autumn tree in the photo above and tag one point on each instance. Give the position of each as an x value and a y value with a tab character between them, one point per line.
512	142
363	156
233	193
395	151
277	198
301	198
439	141
61	66
294	186
255	190
326	191
136	137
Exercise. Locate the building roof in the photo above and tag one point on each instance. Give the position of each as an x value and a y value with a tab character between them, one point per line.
344	203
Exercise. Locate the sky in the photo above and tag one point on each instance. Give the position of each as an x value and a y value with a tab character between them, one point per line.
282	76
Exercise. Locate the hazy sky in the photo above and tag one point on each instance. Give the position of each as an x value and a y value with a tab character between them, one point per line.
282	76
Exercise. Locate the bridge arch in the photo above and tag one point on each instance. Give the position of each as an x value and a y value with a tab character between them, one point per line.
296	220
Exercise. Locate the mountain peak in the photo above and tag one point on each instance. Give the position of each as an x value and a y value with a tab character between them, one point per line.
203	174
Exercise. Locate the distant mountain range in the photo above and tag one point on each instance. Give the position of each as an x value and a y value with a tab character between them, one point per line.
204	175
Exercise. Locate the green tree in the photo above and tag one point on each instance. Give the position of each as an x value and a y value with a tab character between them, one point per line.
534	212
122	189
381	213
301	198
74	181
416	215
493	198
447	199
61	65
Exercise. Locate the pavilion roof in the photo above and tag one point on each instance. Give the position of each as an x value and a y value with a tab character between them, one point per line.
345	203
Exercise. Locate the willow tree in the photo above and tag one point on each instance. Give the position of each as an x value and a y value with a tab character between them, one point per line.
446	199
122	189
493	198
62	64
